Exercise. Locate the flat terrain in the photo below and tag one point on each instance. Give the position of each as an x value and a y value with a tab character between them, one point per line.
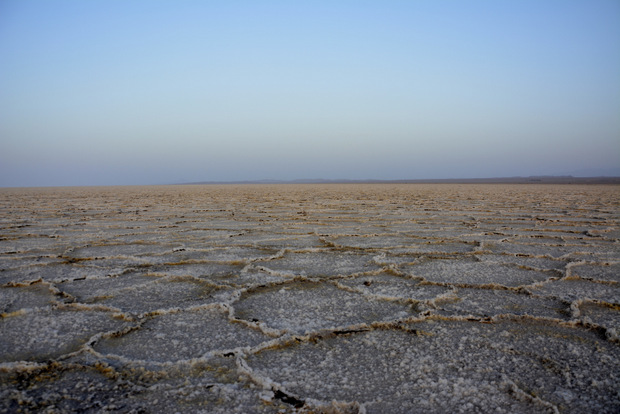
375	298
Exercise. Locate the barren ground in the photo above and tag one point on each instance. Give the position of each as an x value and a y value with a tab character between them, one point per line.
311	298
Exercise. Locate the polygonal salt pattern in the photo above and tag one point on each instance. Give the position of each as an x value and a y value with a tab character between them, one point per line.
182	335
31	244
26	297
52	272
92	290
324	263
310	298
116	250
443	366
17	261
604	271
296	243
604	315
373	241
162	294
492	302
303	307
65	390
579	289
201	253
252	276
392	287
471	273
590	251
268	240
388	259
211	385
443	247
214	272
527	262
41	334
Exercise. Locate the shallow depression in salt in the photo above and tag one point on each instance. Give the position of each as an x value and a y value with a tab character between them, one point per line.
310	298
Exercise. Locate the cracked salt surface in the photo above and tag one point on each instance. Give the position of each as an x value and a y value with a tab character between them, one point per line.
492	302
182	335
304	307
42	333
311	298
324	263
604	271
462	272
447	366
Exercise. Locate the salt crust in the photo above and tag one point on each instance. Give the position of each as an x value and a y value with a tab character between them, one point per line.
348	299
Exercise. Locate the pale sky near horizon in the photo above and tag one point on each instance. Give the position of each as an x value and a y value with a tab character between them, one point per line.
156	92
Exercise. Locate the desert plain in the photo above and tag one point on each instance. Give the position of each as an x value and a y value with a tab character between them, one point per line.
328	298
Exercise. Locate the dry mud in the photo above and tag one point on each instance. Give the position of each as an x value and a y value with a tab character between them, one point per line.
310	298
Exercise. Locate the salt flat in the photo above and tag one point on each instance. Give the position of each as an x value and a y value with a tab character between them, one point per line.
311	298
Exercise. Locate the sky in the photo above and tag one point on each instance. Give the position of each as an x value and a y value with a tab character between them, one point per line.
158	92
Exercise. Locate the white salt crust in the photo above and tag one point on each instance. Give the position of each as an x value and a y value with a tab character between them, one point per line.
310	298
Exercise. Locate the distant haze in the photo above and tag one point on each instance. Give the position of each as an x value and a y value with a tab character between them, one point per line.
156	92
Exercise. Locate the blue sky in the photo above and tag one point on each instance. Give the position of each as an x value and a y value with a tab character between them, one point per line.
152	92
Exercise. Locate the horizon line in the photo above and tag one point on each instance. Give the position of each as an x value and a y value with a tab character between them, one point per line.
533	179
511	179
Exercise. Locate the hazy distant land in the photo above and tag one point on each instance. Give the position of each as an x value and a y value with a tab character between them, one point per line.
546	179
